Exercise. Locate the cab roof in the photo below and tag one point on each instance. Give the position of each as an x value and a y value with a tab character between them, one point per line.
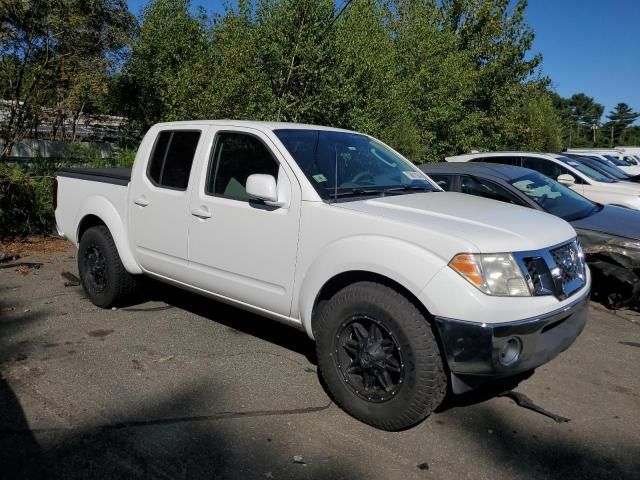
259	125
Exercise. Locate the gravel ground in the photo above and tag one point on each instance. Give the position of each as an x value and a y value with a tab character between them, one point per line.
182	387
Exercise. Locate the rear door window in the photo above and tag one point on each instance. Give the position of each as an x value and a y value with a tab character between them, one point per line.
547	168
487	189
443	181
172	157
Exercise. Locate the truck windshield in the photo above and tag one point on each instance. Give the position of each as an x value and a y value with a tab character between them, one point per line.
554	197
345	164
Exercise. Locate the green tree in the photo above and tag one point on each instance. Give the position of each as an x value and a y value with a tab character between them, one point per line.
621	117
586	114
361	89
497	40
537	124
55	56
438	79
295	53
169	66
630	136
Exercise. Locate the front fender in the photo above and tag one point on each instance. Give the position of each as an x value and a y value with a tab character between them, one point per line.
403	262
105	211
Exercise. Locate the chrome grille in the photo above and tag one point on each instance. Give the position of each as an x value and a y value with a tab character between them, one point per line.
566	259
559	270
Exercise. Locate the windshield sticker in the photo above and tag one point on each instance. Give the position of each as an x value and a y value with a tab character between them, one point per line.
320	178
414	175
529	188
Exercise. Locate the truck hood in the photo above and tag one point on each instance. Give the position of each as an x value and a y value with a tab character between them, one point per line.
491	226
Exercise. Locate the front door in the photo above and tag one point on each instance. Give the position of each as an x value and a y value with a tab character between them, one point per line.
238	247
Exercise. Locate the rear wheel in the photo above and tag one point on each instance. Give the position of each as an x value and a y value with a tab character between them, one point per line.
378	357
103	277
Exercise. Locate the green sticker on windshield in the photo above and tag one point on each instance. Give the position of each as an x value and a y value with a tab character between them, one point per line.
320	178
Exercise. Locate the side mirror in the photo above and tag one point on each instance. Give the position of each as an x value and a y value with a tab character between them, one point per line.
566	179
263	187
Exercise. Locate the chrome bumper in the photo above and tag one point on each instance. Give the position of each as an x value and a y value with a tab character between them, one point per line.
474	348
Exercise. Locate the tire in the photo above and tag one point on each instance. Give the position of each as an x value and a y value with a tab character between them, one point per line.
398	335
103	277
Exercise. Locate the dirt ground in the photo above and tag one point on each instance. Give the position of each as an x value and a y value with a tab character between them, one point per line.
180	387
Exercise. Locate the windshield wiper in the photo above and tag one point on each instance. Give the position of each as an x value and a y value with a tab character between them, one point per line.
359	192
362	192
409	188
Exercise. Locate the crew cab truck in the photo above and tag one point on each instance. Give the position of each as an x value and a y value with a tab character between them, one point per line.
408	291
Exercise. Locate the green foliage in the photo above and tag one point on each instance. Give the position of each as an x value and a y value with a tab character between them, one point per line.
619	119
630	136
55	61
25	203
429	78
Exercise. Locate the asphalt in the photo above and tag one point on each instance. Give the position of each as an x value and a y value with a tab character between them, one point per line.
179	387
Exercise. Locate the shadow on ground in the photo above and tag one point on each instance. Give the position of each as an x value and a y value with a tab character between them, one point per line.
232	317
554	457
152	442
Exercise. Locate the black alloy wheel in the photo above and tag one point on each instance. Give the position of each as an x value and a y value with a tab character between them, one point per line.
369	359
96	268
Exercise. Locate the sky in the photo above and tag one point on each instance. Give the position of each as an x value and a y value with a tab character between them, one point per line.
588	46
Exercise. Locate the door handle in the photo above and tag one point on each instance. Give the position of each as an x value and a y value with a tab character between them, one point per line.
201	213
141	201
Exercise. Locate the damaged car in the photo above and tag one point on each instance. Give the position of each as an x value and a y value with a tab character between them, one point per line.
610	235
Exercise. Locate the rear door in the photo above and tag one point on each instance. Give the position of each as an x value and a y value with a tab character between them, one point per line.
159	211
238	247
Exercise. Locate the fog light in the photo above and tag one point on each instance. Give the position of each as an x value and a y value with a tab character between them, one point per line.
510	351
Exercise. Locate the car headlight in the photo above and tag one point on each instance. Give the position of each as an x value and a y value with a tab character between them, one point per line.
494	274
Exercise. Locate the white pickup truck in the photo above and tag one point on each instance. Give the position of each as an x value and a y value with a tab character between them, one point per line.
408	291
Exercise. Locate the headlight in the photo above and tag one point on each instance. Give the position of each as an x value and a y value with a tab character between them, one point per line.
494	274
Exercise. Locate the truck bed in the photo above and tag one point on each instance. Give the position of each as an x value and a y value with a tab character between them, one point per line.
116	176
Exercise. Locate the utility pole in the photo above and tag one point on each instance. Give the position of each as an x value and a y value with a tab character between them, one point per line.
594	127
611	137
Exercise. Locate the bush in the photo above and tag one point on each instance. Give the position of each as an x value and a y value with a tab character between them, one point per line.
26	203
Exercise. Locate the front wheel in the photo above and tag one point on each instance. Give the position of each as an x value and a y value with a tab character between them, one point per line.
103	277
378	357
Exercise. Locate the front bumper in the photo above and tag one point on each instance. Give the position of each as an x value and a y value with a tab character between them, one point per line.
474	348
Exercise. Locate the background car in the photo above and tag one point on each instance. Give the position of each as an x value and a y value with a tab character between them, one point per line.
610	236
607	167
585	180
625	161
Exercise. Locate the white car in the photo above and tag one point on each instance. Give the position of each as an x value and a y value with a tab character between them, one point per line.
627	162
634	151
594	185
408	291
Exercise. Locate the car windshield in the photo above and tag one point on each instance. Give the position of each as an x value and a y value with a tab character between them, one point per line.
586	170
554	197
362	165
618	161
603	166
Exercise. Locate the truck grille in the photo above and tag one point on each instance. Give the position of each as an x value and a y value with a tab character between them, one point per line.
558	271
